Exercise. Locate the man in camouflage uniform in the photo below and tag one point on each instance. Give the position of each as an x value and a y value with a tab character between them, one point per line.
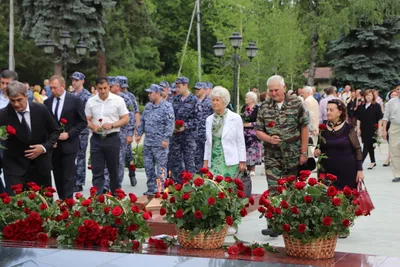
78	79
166	92
173	91
126	131
209	88
183	142
203	110
128	149
157	123
282	124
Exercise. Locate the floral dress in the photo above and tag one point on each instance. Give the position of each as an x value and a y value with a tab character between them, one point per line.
218	164
253	144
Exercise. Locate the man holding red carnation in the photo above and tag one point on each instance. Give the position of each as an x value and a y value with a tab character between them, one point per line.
282	124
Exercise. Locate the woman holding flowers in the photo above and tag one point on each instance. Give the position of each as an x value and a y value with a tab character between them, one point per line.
369	117
253	145
225	149
338	141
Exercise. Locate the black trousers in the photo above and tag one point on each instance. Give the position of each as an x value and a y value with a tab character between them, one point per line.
2	189
32	175
102	151
64	169
369	149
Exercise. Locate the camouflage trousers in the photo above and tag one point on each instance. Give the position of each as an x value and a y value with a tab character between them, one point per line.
129	158
121	167
279	167
182	147
199	157
155	164
80	176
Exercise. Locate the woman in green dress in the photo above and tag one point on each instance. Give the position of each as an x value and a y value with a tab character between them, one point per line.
225	148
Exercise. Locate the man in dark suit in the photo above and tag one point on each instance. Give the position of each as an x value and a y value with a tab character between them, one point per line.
27	157
68	112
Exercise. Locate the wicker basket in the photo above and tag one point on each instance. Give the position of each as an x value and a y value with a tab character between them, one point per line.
317	249
212	241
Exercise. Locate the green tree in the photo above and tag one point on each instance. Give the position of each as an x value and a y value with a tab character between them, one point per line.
369	56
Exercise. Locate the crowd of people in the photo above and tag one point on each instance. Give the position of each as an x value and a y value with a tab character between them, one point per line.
186	131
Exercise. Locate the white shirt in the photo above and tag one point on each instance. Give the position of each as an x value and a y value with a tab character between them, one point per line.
109	110
60	106
392	111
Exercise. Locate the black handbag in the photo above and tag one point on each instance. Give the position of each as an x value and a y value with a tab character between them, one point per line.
246	179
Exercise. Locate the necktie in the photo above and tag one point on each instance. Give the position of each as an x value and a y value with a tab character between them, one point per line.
56	110
25	124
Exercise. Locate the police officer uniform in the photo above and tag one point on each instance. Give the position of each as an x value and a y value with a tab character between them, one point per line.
157	123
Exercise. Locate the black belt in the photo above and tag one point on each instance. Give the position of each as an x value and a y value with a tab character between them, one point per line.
105	135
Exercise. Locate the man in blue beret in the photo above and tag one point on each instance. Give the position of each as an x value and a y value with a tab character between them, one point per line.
128	150
183	141
173	90
157	124
78	80
166	93
203	110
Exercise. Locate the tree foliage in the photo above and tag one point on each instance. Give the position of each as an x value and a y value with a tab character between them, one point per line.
369	56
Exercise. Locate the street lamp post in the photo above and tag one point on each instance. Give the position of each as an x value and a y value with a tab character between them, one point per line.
65	57
236	42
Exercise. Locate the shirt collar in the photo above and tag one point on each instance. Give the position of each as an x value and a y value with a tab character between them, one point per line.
110	96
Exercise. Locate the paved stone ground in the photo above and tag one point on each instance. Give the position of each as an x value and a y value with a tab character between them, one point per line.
378	234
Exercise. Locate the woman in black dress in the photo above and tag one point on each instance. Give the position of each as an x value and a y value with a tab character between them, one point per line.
341	146
369	121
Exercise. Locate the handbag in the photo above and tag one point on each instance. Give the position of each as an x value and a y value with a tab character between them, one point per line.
245	178
366	204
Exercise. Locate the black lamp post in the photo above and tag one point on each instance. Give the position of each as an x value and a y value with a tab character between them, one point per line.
65	57
236	42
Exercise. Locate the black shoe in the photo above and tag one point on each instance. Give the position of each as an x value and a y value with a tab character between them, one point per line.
78	188
396	180
133	181
373	166
269	232
386	164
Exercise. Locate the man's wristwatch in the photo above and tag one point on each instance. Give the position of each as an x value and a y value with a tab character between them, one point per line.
305	154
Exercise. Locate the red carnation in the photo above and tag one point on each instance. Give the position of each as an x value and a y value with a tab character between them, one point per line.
101	198
277	210
248	109
42	238
322	127
219	178
240	194
271	124
146	215
305	173
307	199
295	210
49	194
35	188
291	178
347	191
198	182
132	167
43	206
179	123
228	179
63	121
204	170
327	221
302	228
11	130
107	210
179	214
321	176
100	120
286	228
186	196
358	212
284	204
221	195
299	185
118	221
269	215
117	211
336	201
259	252
211	201
20	203
198	214
331	177
172	200
163	211
229	220
164	196
178	187
77	214
135	244
376	126
86	202
243	212
331	191
7	200
312	181
233	250
135	209
346	223
281	181
261	209
251	200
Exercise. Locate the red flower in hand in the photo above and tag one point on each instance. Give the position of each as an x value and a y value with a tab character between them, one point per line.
179	123
11	130
100	120
63	121
271	124
248	109
132	167
322	127
376	126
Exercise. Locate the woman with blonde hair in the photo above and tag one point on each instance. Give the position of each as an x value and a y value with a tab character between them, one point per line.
253	145
225	149
36	94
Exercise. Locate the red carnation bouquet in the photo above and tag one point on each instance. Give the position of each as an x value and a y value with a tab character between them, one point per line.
309	208
204	203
